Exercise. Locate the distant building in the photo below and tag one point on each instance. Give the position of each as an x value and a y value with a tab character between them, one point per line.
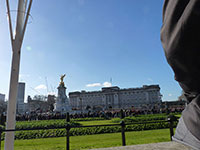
20	98
174	106
2	103
116	98
51	100
2	97
38	106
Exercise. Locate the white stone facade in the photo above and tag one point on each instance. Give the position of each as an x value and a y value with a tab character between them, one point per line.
62	102
116	98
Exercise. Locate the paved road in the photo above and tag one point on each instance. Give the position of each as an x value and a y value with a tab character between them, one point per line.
153	146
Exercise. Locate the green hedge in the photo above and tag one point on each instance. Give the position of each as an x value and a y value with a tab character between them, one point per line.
143	118
89	119
44	124
87	131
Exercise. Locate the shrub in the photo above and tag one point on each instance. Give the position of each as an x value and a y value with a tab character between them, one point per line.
33	134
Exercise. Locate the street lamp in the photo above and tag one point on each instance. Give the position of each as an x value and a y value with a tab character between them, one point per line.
16	42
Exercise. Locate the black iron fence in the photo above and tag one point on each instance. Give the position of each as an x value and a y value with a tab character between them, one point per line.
170	120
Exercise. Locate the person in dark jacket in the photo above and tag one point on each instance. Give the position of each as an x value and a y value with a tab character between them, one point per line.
180	37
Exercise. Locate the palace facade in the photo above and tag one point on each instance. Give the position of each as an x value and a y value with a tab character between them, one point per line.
116	98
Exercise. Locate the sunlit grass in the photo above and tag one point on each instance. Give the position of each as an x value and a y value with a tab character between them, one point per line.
94	141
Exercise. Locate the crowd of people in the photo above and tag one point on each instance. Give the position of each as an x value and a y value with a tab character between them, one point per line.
90	114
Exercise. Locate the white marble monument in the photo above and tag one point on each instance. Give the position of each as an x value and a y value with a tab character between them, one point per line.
62	102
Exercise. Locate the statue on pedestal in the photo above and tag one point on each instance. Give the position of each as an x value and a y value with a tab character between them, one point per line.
62	102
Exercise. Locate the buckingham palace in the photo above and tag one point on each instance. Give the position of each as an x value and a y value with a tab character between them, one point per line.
116	98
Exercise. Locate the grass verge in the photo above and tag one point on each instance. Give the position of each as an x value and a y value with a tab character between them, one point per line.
94	141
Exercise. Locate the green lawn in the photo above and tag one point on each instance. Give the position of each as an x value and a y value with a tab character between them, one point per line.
94	141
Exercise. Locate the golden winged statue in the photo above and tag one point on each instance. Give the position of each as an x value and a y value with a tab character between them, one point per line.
62	78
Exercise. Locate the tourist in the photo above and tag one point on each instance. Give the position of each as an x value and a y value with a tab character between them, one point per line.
180	35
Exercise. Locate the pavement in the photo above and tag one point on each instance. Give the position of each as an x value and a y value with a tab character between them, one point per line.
154	146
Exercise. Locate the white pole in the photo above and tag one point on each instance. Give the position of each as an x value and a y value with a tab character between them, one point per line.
16	49
11	108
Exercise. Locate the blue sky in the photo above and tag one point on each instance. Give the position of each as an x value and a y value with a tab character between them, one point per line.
91	41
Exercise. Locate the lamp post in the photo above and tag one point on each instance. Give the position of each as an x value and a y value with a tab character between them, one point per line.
16	42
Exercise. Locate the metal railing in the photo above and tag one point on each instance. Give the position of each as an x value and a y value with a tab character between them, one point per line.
170	120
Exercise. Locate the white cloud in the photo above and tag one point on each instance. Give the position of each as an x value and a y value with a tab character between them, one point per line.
93	85
149	79
41	87
23	76
107	84
51	93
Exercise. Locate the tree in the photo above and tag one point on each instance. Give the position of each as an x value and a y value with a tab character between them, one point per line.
40	98
2	107
88	107
51	107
